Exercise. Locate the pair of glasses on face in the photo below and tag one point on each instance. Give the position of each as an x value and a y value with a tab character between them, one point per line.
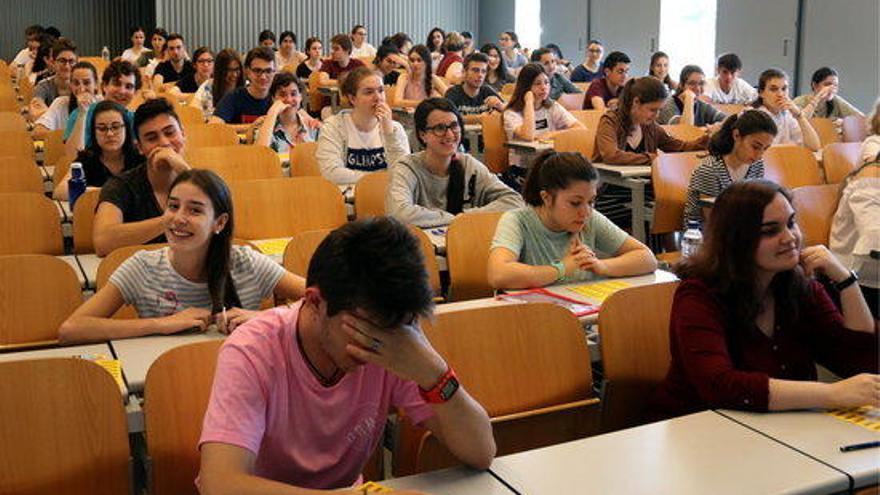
66	61
440	130
262	72
594	50
108	129
205	61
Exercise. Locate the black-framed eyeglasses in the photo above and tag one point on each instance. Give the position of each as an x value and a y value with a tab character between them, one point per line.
107	129
440	130
205	61
262	72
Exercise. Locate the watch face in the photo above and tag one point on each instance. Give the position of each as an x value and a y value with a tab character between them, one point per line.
449	388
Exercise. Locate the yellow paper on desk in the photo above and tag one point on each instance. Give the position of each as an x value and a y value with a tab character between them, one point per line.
373	487
113	366
599	291
865	416
272	246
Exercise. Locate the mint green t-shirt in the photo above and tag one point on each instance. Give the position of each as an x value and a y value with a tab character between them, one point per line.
523	233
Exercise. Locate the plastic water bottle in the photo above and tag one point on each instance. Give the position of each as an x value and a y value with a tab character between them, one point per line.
692	239
76	185
105	53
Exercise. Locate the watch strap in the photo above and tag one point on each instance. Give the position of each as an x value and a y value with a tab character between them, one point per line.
443	390
843	284
560	269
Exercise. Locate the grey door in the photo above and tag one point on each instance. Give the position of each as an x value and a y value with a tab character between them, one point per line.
630	26
564	22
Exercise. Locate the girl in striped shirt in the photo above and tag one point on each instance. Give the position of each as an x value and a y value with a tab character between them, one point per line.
197	280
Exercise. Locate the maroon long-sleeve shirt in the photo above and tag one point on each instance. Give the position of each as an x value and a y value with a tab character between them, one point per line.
715	365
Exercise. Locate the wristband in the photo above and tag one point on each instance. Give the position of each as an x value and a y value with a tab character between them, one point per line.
443	390
843	284
560	270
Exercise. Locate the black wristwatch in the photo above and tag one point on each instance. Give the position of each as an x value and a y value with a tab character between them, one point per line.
843	284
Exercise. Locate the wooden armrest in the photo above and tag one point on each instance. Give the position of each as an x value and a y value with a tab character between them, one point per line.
545	410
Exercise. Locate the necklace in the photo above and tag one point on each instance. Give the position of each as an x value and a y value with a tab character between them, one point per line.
324	381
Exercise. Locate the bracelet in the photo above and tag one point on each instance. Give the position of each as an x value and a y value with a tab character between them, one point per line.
843	284
560	270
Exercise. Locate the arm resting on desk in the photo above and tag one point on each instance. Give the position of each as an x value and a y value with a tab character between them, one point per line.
94	322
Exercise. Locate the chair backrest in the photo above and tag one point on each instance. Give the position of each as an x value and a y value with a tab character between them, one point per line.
20	178
99	63
839	159
198	136
12	121
53	147
825	129
84	222
517	357
791	166
302	246
590	118
855	129
634	328
62	166
467	252
176	394
189	116
671	175
16	143
507	89
316	99
303	162
29	224
63	430
271	208
369	195
237	162
8	102
111	262
571	101
578	140
684	132
300	249
815	206
495	154
37	293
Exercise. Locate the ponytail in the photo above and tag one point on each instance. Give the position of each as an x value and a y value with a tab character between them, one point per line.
552	171
747	122
647	89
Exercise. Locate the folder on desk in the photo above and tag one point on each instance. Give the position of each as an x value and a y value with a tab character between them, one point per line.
542	295
112	366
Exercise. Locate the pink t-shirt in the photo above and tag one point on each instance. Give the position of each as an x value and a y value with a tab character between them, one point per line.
266	399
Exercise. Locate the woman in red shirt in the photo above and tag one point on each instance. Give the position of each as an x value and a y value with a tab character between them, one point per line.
748	323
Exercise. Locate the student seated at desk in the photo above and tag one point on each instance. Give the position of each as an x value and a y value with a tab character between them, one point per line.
604	92
558	237
418	82
748	323
685	106
735	153
199	279
823	101
334	71
498	75
286	124
630	135
83	86
175	67
559	84
313	62
431	187
473	97
62	57
590	68
727	87
793	125
532	115
302	393
451	66
110	150
855	229
363	139
130	206
246	104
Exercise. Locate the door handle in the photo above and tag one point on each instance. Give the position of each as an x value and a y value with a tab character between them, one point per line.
785	42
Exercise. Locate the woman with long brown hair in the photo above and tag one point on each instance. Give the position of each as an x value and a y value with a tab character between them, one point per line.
750	319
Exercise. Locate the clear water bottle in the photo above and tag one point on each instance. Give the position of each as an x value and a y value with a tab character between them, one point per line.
693	237
76	185
105	53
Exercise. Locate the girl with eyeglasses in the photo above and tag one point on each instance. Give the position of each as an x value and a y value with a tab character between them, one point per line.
591	68
686	105
431	187
110	149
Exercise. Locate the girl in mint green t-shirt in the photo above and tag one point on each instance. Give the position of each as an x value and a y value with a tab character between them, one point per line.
558	237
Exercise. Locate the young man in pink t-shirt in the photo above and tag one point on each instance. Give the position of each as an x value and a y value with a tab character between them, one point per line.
301	394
